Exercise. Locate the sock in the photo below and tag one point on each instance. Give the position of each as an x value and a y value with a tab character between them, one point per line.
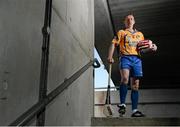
134	99
123	105
123	92
134	110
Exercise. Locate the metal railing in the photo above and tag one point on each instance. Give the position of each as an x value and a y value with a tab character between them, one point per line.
44	60
115	89
112	24
144	103
38	107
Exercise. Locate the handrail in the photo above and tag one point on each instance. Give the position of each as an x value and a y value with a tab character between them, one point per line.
44	60
111	18
114	87
142	103
97	65
35	109
112	24
129	103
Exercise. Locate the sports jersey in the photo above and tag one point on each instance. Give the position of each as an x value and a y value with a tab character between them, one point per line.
127	41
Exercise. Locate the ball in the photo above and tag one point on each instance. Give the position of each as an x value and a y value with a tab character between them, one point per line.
146	46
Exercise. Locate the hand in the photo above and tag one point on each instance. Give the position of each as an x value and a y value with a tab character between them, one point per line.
110	60
150	43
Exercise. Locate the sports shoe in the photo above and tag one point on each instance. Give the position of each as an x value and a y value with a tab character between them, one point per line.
138	114
122	110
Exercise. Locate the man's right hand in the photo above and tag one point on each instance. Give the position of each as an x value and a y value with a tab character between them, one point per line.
110	60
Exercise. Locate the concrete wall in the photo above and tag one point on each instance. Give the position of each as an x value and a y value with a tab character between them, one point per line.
104	36
71	47
103	29
20	54
72	43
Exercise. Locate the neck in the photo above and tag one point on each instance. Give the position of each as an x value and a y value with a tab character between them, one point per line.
130	29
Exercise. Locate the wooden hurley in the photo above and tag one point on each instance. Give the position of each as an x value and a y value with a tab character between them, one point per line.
108	111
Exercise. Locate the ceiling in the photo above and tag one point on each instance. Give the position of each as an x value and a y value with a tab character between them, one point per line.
159	20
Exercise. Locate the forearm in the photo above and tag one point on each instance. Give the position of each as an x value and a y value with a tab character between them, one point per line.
111	52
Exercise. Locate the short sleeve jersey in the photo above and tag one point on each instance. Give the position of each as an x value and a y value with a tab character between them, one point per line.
127	41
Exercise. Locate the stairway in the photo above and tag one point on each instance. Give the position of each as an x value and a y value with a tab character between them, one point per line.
161	106
118	121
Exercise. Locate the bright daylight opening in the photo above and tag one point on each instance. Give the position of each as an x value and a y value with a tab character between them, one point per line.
101	75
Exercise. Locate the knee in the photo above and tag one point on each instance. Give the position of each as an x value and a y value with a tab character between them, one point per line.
135	87
124	80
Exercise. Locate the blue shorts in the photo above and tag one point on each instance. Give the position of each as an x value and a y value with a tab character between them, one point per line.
133	63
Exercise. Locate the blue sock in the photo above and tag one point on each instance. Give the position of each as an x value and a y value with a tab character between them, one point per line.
123	92
134	98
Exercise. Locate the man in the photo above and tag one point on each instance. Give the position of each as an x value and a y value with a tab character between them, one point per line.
130	63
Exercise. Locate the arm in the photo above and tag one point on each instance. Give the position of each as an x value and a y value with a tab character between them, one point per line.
110	54
115	41
148	47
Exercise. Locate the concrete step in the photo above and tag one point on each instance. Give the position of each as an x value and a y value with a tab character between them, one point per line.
119	121
150	110
152	102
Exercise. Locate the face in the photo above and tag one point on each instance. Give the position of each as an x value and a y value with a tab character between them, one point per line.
129	21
